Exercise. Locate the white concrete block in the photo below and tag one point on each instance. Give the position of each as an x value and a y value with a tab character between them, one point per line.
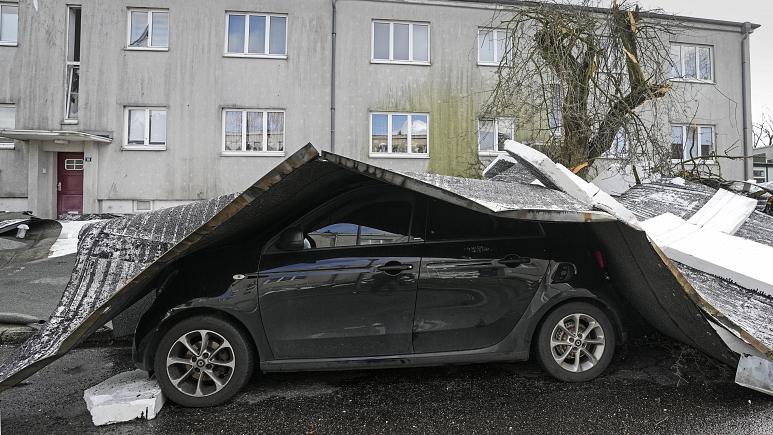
725	212
124	397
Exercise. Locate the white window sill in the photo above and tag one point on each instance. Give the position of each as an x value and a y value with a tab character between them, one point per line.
398	156
696	81
252	154
256	56
143	148
7	146
399	62
8	44
146	48
69	121
699	161
491	153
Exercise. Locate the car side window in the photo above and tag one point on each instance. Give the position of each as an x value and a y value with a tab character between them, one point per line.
450	222
372	224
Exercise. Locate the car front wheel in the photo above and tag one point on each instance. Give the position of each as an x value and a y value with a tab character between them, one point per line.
576	342
203	361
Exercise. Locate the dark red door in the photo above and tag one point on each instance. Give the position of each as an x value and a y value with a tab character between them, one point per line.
69	187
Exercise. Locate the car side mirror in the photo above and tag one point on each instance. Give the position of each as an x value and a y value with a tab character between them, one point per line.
291	240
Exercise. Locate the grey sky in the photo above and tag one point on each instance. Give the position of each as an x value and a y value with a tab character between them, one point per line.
756	11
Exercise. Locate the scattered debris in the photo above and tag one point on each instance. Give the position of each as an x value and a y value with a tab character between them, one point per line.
124	397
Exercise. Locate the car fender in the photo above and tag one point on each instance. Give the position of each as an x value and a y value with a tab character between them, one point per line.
238	304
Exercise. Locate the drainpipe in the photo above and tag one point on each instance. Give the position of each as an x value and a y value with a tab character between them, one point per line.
746	96
333	84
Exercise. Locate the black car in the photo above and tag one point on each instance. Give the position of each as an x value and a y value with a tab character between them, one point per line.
381	277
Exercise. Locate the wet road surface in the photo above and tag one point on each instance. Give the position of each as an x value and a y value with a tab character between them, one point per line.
653	386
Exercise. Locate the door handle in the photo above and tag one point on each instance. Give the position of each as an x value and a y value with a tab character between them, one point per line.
514	260
394	267
59	186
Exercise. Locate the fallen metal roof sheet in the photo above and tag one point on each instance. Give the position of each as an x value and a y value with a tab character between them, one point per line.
119	259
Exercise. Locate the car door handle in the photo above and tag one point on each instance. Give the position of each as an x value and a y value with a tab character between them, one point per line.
514	260
393	267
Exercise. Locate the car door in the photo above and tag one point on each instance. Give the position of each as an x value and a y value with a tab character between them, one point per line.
351	291
478	275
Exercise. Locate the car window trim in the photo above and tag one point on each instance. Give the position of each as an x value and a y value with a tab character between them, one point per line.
270	247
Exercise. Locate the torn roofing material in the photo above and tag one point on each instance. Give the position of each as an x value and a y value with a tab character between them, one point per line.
657	294
119	259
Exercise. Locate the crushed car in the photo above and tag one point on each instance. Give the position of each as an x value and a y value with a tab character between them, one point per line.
328	263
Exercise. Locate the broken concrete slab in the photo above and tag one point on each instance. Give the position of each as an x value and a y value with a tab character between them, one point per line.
124	397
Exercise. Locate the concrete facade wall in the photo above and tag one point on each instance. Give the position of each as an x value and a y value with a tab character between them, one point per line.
194	81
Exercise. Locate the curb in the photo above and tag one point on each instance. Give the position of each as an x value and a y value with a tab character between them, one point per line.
14	335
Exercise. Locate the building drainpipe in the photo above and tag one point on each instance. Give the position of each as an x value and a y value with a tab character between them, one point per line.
333	84
746	96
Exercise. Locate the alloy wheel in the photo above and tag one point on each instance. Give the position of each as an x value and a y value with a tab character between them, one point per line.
200	363
577	342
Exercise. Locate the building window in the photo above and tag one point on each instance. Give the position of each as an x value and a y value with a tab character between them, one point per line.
253	132
619	146
7	122
692	62
555	111
493	46
145	128
691	141
256	35
399	134
73	164
492	134
73	63
759	175
148	29
9	24
400	42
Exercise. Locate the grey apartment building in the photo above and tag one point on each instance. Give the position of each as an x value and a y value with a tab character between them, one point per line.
132	105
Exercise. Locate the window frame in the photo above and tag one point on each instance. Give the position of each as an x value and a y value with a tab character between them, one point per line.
10	43
147	146
496	120
243	152
150	13
712	63
391	59
267	41
389	154
497	55
698	128
8	144
71	66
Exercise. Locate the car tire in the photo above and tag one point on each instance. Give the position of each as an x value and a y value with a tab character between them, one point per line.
196	376
559	342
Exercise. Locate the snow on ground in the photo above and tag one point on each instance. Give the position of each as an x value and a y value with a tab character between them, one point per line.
67	243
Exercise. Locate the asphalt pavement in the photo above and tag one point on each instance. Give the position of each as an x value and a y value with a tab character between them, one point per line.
653	386
35	287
